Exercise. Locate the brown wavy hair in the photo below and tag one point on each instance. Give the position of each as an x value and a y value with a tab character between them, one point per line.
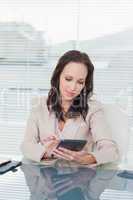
79	105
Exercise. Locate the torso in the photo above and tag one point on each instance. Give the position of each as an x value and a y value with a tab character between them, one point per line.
61	125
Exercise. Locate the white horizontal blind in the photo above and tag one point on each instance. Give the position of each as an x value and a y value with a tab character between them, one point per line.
28	57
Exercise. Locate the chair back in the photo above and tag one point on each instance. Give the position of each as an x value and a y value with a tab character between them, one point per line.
118	121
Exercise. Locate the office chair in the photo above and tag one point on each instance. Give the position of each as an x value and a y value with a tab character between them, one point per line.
118	122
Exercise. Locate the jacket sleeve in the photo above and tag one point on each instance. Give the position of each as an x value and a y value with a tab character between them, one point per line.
105	149
31	146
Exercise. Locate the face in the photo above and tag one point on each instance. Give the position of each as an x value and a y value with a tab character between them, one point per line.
72	80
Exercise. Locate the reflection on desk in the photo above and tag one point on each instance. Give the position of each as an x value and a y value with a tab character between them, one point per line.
68	183
65	182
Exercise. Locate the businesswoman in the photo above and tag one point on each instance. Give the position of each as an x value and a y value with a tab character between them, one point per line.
68	112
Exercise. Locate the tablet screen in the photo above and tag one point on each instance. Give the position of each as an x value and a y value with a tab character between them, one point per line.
74	145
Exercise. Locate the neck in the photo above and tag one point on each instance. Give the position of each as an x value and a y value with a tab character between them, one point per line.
65	105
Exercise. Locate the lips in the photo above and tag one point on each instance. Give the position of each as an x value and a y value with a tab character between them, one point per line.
70	93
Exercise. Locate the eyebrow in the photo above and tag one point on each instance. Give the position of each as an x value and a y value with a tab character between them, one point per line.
81	79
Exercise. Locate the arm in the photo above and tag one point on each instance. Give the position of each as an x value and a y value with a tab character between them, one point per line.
105	149
31	146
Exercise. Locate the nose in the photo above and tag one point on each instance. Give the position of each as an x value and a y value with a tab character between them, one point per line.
73	86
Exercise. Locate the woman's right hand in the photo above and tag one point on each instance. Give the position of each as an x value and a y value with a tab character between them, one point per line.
50	144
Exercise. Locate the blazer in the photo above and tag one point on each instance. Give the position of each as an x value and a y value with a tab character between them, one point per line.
42	124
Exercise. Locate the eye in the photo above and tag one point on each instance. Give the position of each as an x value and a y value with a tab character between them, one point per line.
81	83
68	79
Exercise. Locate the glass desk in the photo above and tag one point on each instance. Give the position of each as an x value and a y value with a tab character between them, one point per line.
65	182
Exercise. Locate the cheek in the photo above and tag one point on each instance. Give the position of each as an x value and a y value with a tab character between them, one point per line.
62	85
80	87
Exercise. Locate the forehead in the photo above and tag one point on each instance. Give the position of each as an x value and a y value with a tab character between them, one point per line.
74	69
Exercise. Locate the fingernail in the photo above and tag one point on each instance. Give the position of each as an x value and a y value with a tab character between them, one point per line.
71	158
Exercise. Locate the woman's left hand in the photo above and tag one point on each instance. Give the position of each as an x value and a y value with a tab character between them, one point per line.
80	157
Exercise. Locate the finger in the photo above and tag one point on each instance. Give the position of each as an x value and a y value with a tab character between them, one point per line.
65	189
61	181
63	186
52	137
59	155
46	139
73	155
68	152
63	155
81	152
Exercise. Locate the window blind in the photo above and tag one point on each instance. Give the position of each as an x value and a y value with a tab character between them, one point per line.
28	56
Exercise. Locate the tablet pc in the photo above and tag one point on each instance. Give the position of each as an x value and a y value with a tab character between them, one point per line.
74	145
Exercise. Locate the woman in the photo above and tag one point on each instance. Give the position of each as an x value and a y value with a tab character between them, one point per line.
69	113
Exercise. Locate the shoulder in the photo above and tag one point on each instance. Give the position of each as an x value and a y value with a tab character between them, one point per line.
94	106
39	104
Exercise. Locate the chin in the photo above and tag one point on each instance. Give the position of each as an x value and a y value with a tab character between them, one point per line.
66	98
